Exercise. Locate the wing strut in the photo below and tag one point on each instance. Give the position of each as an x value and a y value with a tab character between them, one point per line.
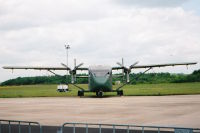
53	73
133	79
78	87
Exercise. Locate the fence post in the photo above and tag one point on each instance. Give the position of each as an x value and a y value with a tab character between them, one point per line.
40	128
9	128
142	129
86	128
128	129
158	130
29	127
0	126
74	130
19	126
99	128
113	128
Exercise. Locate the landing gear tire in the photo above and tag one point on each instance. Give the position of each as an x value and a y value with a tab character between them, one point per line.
80	93
99	94
120	93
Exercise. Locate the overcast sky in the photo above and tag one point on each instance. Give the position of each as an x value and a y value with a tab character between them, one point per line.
33	33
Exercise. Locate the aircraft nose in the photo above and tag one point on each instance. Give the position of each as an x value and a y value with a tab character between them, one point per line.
101	81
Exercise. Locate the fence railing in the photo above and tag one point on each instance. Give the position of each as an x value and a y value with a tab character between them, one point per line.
126	128
92	128
18	124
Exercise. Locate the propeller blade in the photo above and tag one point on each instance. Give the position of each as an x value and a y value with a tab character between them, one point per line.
134	64
128	78
120	64
79	65
74	72
72	79
123	74
65	66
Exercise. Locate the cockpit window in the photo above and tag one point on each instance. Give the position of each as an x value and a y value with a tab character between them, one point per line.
100	73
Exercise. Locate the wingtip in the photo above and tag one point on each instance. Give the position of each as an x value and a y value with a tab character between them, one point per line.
194	63
4	67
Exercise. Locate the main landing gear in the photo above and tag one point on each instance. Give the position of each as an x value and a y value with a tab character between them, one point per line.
120	93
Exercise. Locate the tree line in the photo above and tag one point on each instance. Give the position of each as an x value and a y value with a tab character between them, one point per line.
151	78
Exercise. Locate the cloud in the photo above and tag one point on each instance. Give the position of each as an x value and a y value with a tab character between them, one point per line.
28	13
33	33
152	3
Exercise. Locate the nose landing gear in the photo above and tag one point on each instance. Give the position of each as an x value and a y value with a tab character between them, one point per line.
120	93
99	93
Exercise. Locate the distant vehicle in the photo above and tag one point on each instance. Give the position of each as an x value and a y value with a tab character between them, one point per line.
99	77
117	82
62	88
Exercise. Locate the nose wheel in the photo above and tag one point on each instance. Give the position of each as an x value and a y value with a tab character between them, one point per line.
99	94
120	93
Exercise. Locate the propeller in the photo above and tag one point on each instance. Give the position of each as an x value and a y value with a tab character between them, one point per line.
134	64
73	71
126	70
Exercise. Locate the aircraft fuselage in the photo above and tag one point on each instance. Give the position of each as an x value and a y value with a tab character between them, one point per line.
100	79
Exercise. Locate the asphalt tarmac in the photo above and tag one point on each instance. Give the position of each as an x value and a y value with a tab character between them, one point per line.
182	110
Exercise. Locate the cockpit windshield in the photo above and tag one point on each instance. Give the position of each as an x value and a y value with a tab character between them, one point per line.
100	71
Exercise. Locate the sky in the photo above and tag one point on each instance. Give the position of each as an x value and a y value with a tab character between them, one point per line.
33	33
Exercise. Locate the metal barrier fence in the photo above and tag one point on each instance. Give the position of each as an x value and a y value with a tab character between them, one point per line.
125	128
11	123
94	128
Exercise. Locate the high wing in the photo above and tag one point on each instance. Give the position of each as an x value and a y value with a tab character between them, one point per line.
127	70
82	68
156	65
164	65
41	68
117	68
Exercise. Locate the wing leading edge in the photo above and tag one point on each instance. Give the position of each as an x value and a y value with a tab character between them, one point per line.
157	65
40	68
113	68
164	65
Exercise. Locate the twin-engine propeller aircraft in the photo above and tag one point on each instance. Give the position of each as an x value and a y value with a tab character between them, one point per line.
100	77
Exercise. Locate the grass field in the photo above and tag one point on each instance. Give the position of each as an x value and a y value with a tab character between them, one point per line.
129	90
